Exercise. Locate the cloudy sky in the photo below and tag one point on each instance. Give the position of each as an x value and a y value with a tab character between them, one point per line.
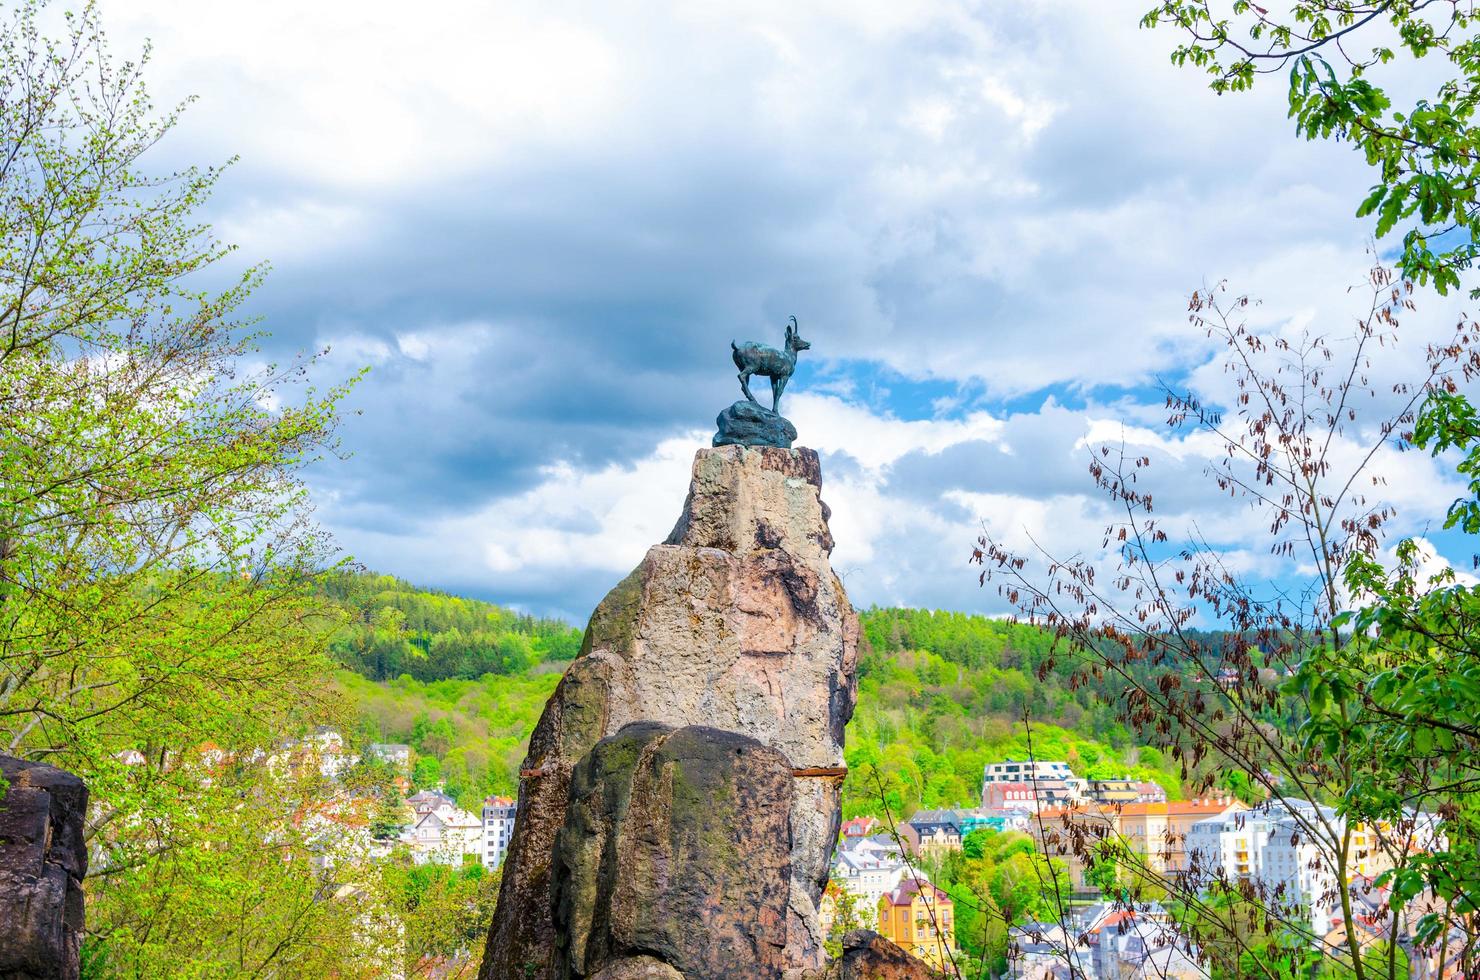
540	224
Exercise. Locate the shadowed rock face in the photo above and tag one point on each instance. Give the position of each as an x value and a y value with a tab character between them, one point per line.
736	622
42	862
676	843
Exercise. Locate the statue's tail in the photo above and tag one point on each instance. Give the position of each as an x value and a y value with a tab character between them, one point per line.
734	347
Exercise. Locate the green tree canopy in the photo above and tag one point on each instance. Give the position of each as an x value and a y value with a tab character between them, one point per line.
1342	62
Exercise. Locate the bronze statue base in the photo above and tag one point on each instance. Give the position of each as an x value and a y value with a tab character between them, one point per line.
747	424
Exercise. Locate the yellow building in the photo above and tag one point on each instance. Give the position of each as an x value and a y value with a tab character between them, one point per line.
920	919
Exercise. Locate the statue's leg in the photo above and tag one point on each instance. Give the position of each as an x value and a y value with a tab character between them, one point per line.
745	386
778	385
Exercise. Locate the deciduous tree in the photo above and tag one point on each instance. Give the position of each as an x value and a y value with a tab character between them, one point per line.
157	549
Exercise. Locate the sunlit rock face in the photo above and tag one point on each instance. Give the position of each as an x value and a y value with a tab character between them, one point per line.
735	623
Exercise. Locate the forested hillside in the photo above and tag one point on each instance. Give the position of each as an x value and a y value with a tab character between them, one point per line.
395	629
940	694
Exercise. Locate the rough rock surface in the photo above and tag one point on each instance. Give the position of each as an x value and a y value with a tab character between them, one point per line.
676	843
736	622
42	862
747	424
869	956
638	968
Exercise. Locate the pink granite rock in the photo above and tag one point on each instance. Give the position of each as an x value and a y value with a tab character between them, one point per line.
736	622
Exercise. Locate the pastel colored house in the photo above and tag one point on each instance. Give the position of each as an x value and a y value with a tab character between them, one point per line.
921	920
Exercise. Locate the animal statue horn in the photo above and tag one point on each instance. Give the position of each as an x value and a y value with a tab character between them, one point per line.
752	359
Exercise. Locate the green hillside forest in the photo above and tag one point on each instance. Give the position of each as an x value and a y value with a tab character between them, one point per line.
940	694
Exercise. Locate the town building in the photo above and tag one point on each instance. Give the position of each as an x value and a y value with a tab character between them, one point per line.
860	827
1151	793
392	753
334	758
498	828
1040	794
323	750
1295	862
1132	956
1044	951
1031	785
1231	845
429	800
1104	941
1154	832
998	820
1013	771
868	867
937	831
1137	943
1288	849
1112	792
920	919
1117	792
1158	831
442	832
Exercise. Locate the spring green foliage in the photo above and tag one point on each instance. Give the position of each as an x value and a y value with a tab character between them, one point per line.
461	681
1335	54
849	912
446	912
244	895
395	630
942	694
997	879
157	551
470	735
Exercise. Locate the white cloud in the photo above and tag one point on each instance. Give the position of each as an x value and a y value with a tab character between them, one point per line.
832	424
487	202
357	94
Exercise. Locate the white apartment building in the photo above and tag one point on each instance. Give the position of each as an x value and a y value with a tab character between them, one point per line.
1283	846
1013	771
1235	842
868	869
1293	858
1031	784
394	753
498	828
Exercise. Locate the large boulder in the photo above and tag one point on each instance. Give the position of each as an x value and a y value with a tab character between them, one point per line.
736	622
676	843
869	956
43	859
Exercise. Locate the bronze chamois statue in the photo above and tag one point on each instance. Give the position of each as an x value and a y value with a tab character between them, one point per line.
752	358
